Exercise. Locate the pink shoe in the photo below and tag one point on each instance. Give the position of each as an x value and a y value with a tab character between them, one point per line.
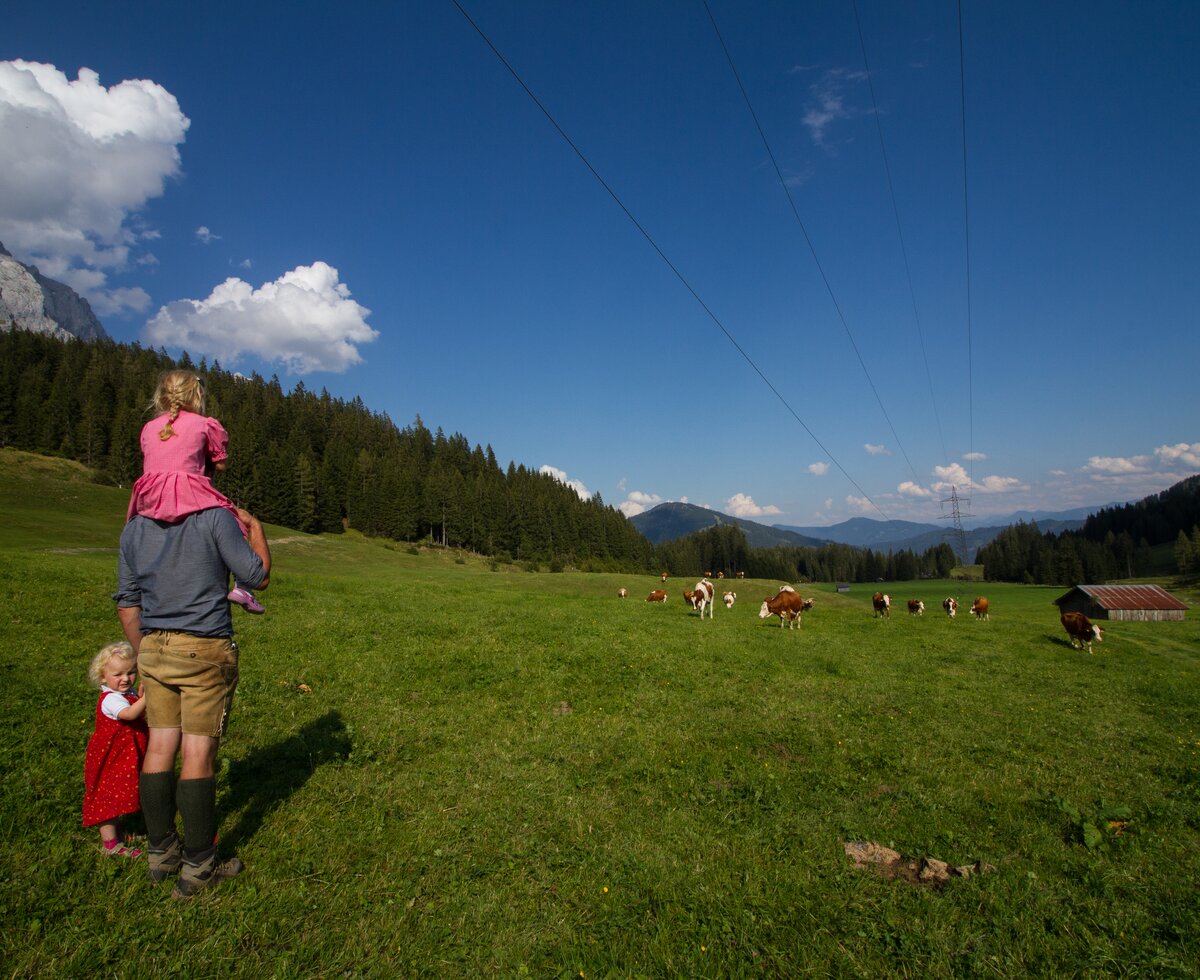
244	597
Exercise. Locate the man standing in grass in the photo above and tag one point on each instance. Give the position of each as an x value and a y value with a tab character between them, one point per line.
172	588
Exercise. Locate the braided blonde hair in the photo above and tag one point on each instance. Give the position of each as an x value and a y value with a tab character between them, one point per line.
110	651
177	391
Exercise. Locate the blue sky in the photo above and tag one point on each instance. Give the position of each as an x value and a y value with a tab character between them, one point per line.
362	197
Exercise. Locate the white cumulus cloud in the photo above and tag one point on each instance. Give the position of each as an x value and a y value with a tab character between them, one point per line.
305	320
1186	453
818	469
1117	464
561	476
860	504
874	450
78	161
205	235
743	505
975	457
955	475
638	502
910	489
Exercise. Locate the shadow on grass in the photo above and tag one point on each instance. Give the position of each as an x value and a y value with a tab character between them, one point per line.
1063	641
262	781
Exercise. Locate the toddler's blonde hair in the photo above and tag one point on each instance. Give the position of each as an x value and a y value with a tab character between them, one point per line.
177	391
110	651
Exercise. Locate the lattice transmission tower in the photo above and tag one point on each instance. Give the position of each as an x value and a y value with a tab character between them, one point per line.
956	515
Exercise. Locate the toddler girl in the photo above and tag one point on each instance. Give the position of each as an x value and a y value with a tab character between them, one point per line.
116	748
177	448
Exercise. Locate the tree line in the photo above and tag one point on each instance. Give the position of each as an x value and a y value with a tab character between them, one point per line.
722	550
1114	543
307	460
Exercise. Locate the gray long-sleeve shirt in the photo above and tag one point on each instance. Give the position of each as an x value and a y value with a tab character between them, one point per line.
179	573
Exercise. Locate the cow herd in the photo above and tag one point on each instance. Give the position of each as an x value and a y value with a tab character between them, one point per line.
788	605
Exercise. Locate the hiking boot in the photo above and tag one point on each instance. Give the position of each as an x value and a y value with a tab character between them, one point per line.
203	871
164	859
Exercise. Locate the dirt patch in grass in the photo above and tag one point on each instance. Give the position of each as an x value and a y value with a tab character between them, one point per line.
925	872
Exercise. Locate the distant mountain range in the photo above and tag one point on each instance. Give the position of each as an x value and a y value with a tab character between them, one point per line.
667	522
34	302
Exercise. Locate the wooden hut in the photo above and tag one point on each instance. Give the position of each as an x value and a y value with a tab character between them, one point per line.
1131	602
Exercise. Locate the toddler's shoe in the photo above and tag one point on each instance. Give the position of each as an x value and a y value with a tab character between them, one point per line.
244	597
114	848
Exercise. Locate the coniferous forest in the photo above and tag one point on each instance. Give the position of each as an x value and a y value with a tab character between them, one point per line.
308	461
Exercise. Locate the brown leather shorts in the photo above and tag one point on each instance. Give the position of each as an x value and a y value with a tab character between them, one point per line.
189	681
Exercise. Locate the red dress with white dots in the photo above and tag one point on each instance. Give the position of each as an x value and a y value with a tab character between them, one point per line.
112	765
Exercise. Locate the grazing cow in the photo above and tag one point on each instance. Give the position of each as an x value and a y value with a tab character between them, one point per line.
664	576
741	574
786	604
720	574
979	608
658	595
1081	630
950	604
705	595
882	604
728	598
916	607
622	593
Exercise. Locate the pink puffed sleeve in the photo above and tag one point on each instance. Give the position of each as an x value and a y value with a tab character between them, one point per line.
218	440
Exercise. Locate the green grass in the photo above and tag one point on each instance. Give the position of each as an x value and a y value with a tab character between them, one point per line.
513	774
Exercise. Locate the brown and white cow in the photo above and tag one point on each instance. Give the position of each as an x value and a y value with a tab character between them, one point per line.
882	604
622	593
664	576
950	604
658	595
705	596
741	574
728	598
979	608
916	607
786	604
1081	630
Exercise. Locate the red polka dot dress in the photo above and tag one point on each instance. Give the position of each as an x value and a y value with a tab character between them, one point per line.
113	762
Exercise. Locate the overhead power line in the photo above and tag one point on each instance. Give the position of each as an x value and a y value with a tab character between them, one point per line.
661	254
804	231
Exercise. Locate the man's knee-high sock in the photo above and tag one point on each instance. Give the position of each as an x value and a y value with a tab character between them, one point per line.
157	791
197	799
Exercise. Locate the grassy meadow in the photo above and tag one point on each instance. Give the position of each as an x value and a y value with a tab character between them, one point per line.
441	767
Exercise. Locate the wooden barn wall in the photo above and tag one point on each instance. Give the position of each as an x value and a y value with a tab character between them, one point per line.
1146	615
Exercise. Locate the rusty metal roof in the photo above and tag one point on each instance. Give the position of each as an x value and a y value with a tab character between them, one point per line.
1128	597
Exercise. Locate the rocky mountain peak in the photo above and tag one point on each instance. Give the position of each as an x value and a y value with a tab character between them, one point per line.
31	301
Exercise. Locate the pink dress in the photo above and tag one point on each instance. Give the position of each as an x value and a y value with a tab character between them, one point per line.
173	484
